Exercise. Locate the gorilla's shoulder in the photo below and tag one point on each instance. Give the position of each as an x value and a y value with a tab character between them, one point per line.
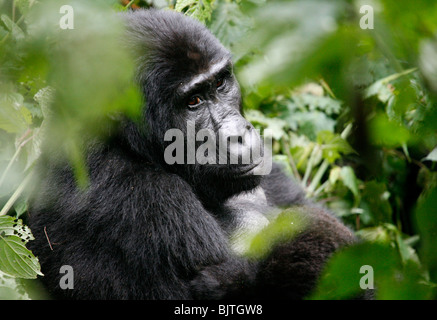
114	164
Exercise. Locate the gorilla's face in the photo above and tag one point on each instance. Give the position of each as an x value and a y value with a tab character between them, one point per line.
216	134
193	114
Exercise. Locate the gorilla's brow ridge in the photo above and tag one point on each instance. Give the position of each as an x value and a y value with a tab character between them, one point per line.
212	72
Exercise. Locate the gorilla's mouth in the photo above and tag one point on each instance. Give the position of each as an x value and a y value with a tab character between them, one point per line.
237	170
248	169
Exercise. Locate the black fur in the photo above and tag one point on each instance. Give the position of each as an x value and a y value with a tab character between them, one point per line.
148	230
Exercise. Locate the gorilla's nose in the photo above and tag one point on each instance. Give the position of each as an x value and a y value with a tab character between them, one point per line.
238	137
239	132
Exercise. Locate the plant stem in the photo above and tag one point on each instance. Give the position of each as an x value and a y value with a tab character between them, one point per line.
318	176
346	132
321	188
17	152
327	88
16	194
286	148
14	157
129	4
310	165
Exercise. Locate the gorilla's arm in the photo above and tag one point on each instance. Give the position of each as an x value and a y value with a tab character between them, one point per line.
292	268
137	232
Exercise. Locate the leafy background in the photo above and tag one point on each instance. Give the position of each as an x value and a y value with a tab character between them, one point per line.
352	113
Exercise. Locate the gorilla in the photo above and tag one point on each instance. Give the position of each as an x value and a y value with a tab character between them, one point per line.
149	228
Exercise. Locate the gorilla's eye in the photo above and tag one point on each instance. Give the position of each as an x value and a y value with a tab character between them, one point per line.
194	101
220	82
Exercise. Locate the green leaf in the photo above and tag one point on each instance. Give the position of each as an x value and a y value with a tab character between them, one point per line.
24	5
350	180
200	10
10	226
333	145
426	218
311	123
15	30
385	132
376	199
20	207
381	88
326	104
334	175
14	117
375	234
284	228
15	259
3	32
45	98
12	288
230	25
274	124
182	4
341	277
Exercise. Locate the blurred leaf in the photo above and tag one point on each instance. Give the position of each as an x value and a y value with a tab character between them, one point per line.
200	10
328	105
334	175
388	133
428	61
350	180
382	88
292	35
20	208
82	90
375	234
230	25
275	125
13	28
426	219
341	276
14	117
375	196
333	145
311	123
12	288
432	156
24	5
284	228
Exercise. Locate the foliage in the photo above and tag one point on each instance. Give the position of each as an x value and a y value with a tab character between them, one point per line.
201	10
352	113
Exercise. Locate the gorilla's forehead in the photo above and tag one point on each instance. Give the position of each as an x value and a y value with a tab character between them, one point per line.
209	74
173	48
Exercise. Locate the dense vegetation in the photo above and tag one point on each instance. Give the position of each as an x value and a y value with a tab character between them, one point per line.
352	112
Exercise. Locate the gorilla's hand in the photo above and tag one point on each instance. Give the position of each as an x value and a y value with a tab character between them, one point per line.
291	268
226	280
